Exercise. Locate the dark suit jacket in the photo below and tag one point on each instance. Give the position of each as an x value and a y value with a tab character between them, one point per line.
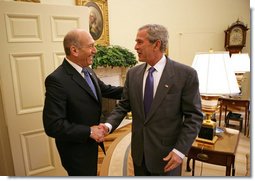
174	119
69	111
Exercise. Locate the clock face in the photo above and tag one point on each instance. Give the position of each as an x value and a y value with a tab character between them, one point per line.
236	36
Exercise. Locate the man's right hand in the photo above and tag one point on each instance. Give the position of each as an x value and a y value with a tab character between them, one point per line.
97	133
106	129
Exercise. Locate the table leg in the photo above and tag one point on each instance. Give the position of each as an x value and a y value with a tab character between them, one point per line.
230	163
233	166
220	114
193	167
233	171
225	119
248	125
245	121
188	169
228	169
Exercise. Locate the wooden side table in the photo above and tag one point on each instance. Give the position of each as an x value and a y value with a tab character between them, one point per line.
225	102
221	153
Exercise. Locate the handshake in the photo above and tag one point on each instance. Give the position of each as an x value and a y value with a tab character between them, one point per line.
98	132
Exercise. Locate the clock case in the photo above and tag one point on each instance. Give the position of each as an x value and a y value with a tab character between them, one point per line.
235	48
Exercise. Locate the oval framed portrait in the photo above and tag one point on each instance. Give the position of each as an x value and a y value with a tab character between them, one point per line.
95	20
98	19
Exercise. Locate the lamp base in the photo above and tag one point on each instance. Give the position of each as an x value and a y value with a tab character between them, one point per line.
208	130
215	138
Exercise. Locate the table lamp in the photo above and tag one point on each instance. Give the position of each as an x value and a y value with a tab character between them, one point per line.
241	64
216	78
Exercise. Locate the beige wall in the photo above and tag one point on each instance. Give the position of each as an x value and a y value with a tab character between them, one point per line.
194	25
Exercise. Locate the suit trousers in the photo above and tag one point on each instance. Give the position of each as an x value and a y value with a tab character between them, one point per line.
143	171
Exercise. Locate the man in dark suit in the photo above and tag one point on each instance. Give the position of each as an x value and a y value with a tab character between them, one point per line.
72	110
162	133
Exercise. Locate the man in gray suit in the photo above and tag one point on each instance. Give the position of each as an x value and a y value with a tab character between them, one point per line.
165	125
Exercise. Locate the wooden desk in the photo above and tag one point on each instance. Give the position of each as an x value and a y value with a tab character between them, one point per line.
225	102
221	153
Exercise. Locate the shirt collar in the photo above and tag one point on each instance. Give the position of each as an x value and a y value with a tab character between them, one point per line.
159	66
77	67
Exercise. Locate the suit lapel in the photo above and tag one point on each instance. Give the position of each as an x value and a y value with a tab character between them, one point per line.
95	82
78	78
139	86
164	86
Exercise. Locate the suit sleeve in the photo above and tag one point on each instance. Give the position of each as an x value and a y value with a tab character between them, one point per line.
123	107
191	108
108	91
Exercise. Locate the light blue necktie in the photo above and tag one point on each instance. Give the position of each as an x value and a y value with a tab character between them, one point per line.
89	81
148	91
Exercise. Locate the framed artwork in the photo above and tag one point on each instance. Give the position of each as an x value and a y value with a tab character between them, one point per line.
167	51
98	19
33	1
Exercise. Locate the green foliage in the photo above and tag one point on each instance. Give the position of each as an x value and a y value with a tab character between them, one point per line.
113	56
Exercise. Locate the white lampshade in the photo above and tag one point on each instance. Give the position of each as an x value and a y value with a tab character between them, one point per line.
240	62
216	76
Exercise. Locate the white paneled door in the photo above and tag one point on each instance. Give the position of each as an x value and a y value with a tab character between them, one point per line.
31	37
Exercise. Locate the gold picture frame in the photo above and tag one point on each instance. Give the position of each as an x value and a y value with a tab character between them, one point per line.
98	19
33	1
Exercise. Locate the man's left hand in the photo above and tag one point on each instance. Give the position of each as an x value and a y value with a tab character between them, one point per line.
173	161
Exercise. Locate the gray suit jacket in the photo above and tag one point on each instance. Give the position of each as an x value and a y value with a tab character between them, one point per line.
175	117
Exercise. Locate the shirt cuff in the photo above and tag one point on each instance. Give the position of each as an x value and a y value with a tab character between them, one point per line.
179	153
109	126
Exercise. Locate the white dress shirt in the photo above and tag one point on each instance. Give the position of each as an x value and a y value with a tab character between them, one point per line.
76	67
159	67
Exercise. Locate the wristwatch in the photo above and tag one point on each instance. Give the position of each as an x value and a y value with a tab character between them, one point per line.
91	132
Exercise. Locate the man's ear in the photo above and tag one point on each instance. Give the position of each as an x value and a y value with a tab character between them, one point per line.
74	50
157	44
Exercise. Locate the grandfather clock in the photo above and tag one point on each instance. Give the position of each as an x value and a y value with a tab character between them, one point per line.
235	37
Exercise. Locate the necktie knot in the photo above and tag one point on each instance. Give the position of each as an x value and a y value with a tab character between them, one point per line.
85	71
151	70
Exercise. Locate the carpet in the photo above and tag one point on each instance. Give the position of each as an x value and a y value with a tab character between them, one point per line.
118	161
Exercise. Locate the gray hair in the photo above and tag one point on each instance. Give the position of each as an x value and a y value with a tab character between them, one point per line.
157	32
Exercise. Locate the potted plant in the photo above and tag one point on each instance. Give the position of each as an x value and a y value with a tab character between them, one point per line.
113	56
